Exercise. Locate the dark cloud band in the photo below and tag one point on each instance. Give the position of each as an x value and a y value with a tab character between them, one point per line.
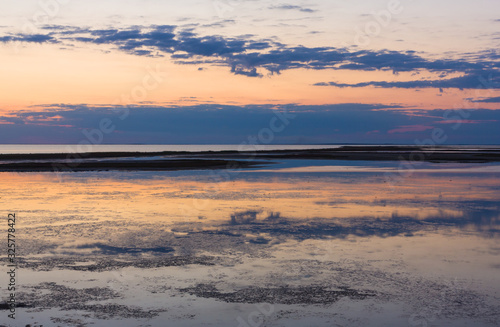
250	57
222	124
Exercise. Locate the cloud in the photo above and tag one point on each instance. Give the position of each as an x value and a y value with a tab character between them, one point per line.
410	128
488	100
223	124
222	23
471	80
32	38
253	57
242	71
292	7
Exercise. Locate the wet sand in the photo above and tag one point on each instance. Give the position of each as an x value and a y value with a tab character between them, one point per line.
296	276
333	249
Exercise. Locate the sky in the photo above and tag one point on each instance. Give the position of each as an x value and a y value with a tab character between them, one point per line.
233	71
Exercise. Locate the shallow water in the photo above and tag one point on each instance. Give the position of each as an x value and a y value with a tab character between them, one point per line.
290	244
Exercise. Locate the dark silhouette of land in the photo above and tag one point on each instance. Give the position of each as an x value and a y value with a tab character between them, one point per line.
170	160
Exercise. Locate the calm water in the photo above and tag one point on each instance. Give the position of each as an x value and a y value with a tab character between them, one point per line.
299	243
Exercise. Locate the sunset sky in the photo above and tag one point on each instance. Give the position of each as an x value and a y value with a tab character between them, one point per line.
218	71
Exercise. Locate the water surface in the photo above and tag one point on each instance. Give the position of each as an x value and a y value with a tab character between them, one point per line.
285	245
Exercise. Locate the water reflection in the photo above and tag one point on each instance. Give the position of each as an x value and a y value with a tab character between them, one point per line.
294	238
108	214
335	204
486	222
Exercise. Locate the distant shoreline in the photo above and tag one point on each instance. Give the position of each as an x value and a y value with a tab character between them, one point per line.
183	160
124	165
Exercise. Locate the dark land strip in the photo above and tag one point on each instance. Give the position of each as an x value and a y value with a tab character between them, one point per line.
126	165
169	160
